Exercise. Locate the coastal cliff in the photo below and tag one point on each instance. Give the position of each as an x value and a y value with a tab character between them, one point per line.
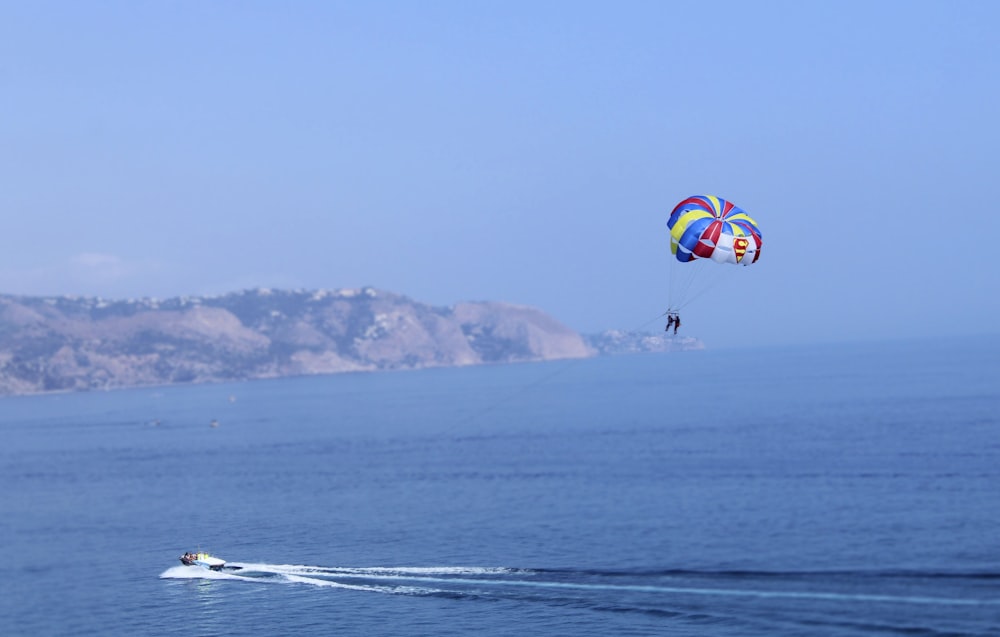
73	343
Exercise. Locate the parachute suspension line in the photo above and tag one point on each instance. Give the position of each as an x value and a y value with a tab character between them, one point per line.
684	278
671	284
679	282
652	320
693	276
707	287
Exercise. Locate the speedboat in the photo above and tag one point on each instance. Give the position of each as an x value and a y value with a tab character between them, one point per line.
203	560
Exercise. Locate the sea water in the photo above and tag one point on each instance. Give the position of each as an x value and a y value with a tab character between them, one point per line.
815	490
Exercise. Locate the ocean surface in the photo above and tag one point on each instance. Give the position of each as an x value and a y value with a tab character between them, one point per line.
834	490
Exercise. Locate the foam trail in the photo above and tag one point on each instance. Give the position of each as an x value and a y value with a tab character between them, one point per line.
457	578
393	590
378	570
288	573
398	574
197	572
724	592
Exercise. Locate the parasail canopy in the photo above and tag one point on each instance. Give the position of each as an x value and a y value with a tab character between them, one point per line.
709	227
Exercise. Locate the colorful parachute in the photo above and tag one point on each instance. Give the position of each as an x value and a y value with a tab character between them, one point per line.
708	227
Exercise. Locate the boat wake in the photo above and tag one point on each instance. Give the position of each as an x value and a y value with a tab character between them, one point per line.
841	602
933	589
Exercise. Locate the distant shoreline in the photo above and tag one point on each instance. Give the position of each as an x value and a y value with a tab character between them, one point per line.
66	344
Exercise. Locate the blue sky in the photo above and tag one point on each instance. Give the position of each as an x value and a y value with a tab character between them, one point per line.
527	152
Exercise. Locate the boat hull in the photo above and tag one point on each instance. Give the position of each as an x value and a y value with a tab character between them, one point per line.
204	561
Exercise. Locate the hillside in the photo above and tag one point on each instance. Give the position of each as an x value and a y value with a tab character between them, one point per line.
73	343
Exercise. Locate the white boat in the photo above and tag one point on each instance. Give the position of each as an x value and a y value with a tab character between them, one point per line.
203	560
